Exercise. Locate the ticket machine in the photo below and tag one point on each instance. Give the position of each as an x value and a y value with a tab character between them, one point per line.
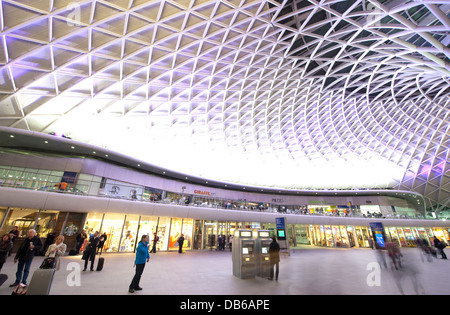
262	245
243	254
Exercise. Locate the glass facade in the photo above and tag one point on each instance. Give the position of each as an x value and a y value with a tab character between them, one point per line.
123	231
92	185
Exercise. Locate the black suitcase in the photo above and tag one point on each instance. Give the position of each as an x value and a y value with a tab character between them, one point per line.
72	252
100	263
41	282
3	278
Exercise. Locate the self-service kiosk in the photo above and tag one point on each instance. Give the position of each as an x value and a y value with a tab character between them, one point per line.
243	254
262	245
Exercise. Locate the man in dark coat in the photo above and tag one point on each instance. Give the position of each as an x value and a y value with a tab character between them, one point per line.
25	254
274	255
90	251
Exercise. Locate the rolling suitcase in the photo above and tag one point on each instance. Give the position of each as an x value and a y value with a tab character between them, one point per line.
41	282
100	263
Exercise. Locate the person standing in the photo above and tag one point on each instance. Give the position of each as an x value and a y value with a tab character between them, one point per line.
180	244
14	234
80	240
90	251
49	241
5	246
274	256
101	243
142	257
57	250
25	254
155	241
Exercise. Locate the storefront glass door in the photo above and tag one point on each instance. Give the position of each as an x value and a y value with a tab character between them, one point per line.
129	234
112	225
147	226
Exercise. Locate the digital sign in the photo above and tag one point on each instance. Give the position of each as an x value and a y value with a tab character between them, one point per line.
378	234
281	234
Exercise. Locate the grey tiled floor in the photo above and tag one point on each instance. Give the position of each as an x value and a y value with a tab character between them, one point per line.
306	271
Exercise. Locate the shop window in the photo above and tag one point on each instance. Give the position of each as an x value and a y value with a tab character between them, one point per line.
129	234
175	233
24	219
210	234
93	224
112	225
147	226
163	232
187	231
2	212
46	222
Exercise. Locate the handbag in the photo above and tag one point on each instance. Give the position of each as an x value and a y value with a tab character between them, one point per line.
48	263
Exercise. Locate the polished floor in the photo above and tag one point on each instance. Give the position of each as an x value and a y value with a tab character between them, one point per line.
308	271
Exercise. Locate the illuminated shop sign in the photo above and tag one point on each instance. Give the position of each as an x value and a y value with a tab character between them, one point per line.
202	192
318	202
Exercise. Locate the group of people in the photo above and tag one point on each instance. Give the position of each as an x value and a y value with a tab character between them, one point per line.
92	247
53	247
222	241
24	256
82	238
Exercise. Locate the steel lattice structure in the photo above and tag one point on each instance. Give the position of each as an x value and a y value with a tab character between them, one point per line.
296	94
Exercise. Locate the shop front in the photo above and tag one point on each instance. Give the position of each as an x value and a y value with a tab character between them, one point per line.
216	231
123	232
336	235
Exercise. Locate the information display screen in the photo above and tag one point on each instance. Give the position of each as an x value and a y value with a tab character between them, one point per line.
378	233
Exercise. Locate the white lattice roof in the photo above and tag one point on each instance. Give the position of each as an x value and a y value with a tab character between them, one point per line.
292	94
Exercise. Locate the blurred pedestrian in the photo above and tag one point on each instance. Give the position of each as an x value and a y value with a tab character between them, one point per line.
394	254
440	247
409	270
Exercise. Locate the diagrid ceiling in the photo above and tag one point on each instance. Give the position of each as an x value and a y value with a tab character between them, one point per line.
290	94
